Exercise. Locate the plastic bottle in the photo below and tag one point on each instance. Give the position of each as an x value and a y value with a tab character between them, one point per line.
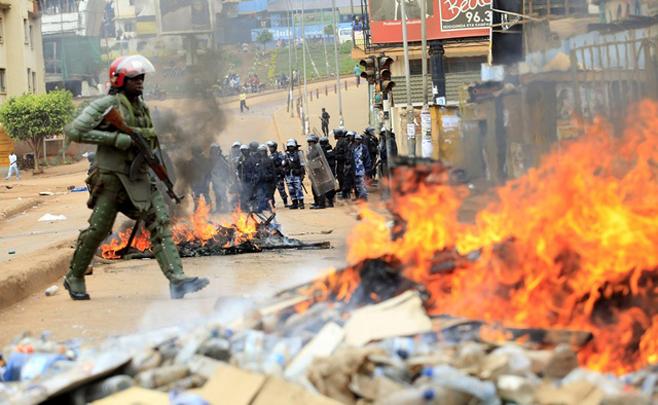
411	396
108	387
453	379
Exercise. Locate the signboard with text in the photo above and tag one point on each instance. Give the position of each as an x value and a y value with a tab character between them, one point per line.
184	16
445	19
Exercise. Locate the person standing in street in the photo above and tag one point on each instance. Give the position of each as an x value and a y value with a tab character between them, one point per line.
362	166
220	177
13	167
278	160
294	170
340	153
122	181
357	74
330	155
324	119
349	175
265	180
243	100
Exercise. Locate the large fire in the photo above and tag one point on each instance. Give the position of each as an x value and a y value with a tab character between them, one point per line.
197	227
573	244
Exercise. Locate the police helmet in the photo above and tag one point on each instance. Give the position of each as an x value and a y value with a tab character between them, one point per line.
358	137
312	138
253	145
262	147
236	144
291	142
339	132
244	147
350	134
272	144
369	131
324	140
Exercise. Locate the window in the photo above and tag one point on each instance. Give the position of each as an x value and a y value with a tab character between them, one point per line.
29	80
416	67
34	82
30	37
2	30
463	65
3	89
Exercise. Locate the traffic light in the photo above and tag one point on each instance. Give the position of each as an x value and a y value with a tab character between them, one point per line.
369	69
385	82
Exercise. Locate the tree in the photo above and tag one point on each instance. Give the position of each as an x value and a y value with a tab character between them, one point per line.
32	117
329	30
264	37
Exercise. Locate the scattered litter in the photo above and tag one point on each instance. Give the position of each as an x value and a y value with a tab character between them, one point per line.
51	217
77	189
52	290
9	187
12	252
46	193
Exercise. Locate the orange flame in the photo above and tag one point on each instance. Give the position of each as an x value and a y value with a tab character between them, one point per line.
572	244
198	227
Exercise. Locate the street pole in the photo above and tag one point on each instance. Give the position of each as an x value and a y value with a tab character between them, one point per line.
291	106
341	121
324	44
425	117
305	96
411	129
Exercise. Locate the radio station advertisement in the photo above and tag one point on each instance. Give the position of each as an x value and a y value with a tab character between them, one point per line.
445	19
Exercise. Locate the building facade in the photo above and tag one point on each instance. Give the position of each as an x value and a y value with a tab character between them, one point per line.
21	56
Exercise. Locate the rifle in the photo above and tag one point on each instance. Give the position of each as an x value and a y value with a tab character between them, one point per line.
113	116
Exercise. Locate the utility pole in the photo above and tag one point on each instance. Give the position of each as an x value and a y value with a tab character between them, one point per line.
411	129
305	96
341	121
425	117
291	106
324	43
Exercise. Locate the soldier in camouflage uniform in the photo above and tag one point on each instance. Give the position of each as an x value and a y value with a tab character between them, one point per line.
115	187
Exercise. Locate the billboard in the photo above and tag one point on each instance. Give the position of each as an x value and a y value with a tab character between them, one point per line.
445	19
184	16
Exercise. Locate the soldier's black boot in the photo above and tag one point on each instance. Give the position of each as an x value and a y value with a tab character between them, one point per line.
76	288
301	204
285	203
178	289
294	205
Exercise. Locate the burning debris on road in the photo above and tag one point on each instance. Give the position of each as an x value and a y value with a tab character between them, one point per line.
198	236
548	298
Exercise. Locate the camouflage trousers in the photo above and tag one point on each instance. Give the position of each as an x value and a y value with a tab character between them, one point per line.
295	187
109	197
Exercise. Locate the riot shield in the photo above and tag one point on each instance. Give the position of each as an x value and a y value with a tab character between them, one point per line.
318	170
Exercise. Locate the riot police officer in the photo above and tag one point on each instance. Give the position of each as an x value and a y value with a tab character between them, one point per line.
220	177
278	159
349	180
340	152
372	143
362	166
294	171
265	180
330	155
313	153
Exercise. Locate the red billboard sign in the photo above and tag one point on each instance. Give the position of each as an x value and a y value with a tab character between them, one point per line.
446	19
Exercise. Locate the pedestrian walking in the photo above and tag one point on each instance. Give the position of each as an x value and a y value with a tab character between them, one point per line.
357	74
113	190
294	170
324	119
243	100
13	167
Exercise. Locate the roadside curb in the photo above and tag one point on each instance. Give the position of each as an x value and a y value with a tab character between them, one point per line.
20	207
38	276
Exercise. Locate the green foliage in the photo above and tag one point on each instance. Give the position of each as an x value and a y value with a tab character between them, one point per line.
264	37
329	29
32	117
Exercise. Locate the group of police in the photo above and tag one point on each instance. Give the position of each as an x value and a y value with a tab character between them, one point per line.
252	173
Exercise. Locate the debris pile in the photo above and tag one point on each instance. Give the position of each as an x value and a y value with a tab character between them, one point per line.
199	235
329	353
